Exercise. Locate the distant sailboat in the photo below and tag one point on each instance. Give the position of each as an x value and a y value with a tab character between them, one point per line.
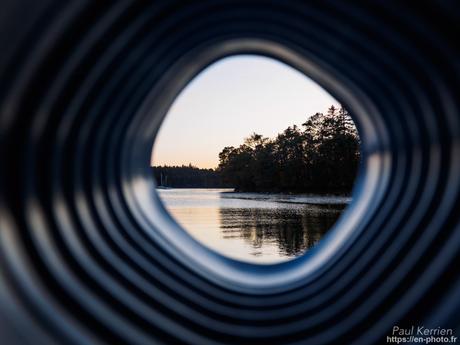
163	185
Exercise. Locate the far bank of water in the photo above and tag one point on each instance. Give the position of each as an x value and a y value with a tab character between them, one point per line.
255	227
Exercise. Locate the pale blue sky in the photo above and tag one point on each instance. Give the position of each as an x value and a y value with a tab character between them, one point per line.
228	101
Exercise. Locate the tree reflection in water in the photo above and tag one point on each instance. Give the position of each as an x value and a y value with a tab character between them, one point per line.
254	227
293	230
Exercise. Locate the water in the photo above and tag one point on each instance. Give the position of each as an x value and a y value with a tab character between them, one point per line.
259	228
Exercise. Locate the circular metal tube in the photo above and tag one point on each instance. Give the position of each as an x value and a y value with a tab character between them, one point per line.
89	254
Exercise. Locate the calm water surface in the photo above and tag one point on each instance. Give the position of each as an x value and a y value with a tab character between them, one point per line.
261	228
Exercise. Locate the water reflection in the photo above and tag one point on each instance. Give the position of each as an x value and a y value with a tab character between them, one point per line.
292	230
253	227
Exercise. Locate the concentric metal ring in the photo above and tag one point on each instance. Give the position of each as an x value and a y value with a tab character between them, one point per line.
89	255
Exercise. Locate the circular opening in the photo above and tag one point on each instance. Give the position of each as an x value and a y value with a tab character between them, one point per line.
255	160
156	221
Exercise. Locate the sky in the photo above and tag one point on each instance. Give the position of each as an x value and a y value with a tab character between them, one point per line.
228	101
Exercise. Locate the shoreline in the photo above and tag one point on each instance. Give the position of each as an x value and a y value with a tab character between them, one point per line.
233	191
279	197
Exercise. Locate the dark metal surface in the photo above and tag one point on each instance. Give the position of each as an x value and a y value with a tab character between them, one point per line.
87	253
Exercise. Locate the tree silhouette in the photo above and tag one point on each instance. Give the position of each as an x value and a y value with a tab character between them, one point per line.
321	158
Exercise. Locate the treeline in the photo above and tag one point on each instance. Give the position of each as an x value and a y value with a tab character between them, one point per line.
322	156
188	176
